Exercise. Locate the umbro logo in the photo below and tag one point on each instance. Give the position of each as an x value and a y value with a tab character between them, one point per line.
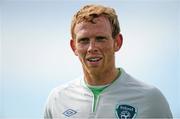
69	112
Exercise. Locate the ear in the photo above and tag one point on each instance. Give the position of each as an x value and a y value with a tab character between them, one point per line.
73	46
118	42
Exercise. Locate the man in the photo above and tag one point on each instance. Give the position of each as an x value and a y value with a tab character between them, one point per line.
104	91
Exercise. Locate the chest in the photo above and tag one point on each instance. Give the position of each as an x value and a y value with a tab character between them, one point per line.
107	106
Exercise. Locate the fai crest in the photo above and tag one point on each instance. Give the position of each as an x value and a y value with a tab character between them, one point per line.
125	112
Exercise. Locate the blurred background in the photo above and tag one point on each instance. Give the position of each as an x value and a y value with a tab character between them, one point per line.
35	55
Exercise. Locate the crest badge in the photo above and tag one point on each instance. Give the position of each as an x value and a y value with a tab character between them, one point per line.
125	111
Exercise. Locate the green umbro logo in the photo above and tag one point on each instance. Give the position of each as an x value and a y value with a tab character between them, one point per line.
125	111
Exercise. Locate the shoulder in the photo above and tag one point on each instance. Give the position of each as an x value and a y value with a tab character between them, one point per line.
63	89
134	84
71	85
150	91
147	89
157	104
151	96
138	87
58	94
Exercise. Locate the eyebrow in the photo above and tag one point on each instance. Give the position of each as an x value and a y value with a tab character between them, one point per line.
101	37
82	38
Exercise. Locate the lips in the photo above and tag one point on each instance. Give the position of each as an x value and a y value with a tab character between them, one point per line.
94	59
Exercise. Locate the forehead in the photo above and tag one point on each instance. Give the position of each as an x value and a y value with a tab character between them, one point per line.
99	25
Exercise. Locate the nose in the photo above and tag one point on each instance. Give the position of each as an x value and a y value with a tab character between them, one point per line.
92	47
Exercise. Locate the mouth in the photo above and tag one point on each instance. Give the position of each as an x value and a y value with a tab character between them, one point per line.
94	59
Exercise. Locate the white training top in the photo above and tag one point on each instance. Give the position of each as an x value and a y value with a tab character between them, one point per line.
125	98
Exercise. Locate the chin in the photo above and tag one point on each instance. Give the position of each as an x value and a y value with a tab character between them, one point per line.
94	69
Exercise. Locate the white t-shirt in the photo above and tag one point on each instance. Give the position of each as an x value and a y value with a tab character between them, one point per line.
125	98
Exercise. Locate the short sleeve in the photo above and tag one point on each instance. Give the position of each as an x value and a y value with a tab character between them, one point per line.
48	105
158	105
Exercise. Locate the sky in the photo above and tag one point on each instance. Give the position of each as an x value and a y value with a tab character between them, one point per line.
36	57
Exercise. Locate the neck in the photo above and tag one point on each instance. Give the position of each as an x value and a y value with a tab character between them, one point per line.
101	78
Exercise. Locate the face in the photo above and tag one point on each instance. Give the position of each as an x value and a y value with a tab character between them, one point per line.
94	45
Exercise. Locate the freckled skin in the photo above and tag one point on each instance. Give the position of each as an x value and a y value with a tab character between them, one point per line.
95	40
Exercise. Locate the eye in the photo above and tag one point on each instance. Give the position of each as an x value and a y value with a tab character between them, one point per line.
100	38
83	40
